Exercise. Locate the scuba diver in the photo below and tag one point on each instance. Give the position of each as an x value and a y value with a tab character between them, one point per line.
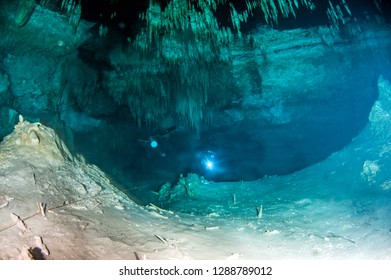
208	160
208	164
157	143
184	159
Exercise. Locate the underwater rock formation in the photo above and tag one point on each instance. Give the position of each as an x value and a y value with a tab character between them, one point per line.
380	115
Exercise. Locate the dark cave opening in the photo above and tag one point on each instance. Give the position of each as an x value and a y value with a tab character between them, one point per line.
243	151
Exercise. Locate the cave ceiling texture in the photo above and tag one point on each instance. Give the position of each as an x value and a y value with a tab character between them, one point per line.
230	90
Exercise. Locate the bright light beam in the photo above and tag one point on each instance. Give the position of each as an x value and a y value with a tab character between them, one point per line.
209	164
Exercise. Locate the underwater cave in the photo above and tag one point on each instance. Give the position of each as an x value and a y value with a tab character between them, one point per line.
221	110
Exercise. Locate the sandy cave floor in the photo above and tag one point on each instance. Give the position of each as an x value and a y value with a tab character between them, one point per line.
327	211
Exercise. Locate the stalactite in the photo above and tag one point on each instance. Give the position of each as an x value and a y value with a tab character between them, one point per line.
339	13
24	11
186	37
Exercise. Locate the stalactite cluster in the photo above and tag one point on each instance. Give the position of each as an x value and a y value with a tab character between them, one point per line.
180	43
188	36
